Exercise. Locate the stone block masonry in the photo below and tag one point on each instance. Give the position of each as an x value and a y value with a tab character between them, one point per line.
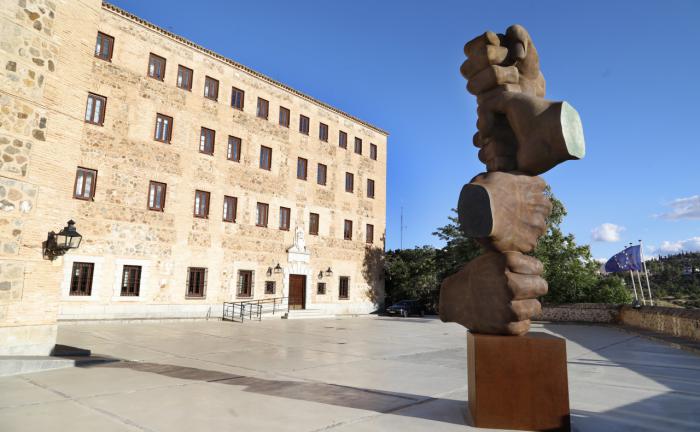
48	67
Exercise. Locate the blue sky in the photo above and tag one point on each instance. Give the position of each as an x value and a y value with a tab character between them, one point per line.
629	67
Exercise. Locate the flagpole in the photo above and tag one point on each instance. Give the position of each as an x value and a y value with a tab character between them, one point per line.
641	289
633	286
646	273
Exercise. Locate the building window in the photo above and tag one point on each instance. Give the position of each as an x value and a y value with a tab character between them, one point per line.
263	108
265	157
344	288
85	182
131	281
373	151
358	146
201	204
313	223
184	77
156	196
323	132
304	124
95	110
196	281
370	188
347	230
81	279
284	116
211	88
206	141
164	128
156	67
369	233
245	283
269	287
261	212
237	98
321	288
321	174
233	153
285	214
302	165
343	139
230	207
104	46
349	182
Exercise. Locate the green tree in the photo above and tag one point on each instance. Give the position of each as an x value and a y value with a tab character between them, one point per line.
412	274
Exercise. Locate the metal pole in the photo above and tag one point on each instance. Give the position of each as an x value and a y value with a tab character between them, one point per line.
641	289
646	273
401	228
633	286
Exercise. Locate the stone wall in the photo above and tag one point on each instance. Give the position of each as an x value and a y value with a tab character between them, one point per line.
678	322
580	312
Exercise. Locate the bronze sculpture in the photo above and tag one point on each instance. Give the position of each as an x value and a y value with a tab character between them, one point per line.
520	135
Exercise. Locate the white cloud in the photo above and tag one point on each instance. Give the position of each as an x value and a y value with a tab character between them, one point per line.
607	232
688	245
684	208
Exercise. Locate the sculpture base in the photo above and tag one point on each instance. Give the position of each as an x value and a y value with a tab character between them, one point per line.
518	382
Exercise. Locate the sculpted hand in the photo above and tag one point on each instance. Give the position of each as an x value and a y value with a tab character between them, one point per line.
509	209
545	133
494	293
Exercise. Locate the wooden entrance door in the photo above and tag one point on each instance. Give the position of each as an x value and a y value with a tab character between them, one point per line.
297	291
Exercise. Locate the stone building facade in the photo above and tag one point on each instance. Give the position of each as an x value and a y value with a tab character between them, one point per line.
192	179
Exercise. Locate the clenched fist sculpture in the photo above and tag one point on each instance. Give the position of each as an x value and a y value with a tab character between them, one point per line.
520	135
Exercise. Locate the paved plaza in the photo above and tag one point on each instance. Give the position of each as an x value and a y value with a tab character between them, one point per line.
350	374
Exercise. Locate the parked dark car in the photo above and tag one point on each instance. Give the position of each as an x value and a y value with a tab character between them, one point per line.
406	308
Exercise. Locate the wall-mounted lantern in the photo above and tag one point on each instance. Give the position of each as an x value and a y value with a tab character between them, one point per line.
278	269
269	272
329	272
58	244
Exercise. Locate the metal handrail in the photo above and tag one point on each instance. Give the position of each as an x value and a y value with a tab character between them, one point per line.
252	309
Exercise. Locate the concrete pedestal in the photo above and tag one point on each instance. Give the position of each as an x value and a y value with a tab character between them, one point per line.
518	382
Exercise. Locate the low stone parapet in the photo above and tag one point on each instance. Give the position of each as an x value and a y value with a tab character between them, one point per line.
677	322
580	312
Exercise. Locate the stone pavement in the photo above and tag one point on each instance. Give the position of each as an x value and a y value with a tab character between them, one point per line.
350	374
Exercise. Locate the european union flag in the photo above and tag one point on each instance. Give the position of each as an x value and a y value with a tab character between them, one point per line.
628	259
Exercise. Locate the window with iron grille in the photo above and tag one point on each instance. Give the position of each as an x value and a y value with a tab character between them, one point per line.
344	288
156	67
349	182
206	141
285	215
269	287
131	281
323	132
343	139
201	204
263	108
373	151
237	98
321	288
85	182
321	174
233	153
347	230
184	77
284	116
81	279
370	188
245	283
164	128
95	109
302	165
196	281
313	223
358	146
369	233
265	158
230	208
211	88
261	213
304	124
156	196
104	46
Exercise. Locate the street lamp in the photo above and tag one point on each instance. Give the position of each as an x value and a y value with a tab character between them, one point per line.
278	269
329	272
58	244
